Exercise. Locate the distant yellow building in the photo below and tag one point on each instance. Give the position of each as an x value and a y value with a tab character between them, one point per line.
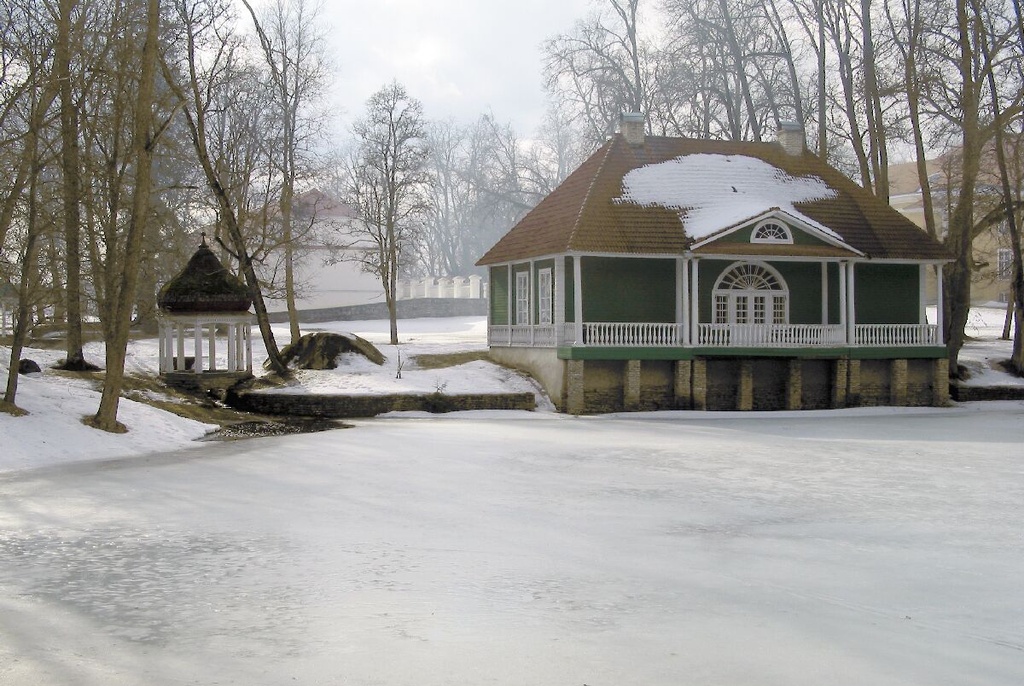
993	257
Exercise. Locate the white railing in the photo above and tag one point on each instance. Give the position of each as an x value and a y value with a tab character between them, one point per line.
523	335
769	335
637	334
896	335
655	335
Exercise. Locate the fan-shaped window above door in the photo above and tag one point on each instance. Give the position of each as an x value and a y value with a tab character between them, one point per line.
751	293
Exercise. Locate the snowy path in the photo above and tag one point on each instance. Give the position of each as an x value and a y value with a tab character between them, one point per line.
877	547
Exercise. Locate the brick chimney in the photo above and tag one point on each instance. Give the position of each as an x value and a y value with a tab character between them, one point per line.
632	127
791	137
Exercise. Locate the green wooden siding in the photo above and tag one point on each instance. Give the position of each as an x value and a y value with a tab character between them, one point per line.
708	272
804	282
834	301
499	295
887	293
628	290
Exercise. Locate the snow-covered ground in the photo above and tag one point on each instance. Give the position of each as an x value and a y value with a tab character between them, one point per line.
863	546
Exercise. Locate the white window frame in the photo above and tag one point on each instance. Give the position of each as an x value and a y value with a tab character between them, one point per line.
522	297
1004	263
545	296
786	239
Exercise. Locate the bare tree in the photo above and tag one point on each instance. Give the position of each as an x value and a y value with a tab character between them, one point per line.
600	68
907	29
738	57
144	137
293	44
385	177
30	89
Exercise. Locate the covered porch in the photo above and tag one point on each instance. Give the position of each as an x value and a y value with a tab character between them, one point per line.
820	305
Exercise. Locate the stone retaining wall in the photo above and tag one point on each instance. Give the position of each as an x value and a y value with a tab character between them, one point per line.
962	393
352	406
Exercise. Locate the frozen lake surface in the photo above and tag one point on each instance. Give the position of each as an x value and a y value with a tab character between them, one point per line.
845	548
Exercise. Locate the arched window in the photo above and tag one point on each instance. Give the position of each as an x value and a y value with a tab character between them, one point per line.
771	231
751	293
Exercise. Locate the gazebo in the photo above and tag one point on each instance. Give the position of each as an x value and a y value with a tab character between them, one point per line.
204	311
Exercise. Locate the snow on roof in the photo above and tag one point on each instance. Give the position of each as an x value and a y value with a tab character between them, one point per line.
718	192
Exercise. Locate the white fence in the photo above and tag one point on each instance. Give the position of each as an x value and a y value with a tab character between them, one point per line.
472	286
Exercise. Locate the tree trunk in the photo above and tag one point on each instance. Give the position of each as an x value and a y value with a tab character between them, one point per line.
289	261
739	62
72	189
1017	282
822	113
873	107
958	273
143	142
29	267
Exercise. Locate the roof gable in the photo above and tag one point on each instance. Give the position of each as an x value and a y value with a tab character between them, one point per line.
663	196
803	230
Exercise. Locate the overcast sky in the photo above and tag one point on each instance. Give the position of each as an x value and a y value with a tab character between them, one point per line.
461	58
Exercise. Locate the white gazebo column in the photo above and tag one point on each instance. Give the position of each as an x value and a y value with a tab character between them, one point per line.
940	306
232	346
179	332
694	302
577	296
162	346
213	347
240	335
247	332
197	337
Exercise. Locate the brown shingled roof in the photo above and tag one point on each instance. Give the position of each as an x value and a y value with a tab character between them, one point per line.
586	213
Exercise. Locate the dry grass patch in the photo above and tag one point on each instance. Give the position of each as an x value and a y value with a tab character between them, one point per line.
440	361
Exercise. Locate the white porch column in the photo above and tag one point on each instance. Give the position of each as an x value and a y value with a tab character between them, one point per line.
842	298
680	299
694	302
851	305
940	315
824	293
558	316
511	300
531	304
922	289
577	296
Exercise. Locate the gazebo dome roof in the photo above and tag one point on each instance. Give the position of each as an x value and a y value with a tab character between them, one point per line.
204	285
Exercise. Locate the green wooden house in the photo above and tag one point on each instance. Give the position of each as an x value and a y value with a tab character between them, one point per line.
681	273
